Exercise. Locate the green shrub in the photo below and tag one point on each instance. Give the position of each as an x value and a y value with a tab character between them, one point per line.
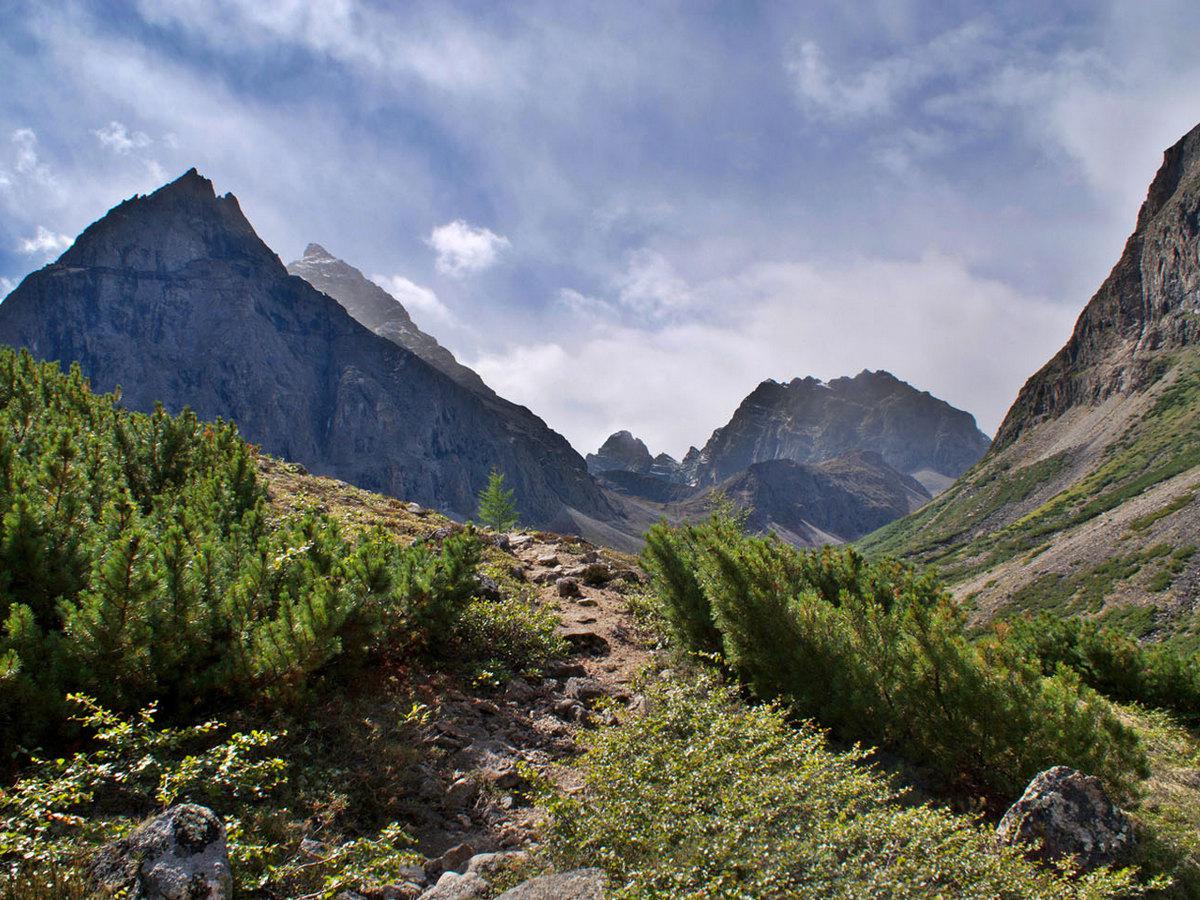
705	797
878	653
1112	663
509	636
138	563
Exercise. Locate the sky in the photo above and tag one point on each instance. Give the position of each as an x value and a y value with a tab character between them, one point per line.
627	215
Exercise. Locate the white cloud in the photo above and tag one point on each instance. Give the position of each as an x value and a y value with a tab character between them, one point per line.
7	286
116	137
880	87
970	340
45	242
462	249
650	286
421	302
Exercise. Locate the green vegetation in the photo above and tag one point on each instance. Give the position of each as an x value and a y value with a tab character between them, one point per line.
60	810
1082	591
706	797
952	531
1112	663
497	507
878	653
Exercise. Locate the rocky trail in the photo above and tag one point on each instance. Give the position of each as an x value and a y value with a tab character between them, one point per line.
472	801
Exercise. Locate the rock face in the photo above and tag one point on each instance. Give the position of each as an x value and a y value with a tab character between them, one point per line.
580	884
622	452
380	311
179	855
1065	813
810	421
832	502
1146	306
1096	458
174	297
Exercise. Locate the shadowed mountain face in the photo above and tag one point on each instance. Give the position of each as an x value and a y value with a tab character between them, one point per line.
1087	501
174	297
380	311
810	421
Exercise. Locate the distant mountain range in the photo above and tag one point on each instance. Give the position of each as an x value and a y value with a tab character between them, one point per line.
173	297
1087	502
815	462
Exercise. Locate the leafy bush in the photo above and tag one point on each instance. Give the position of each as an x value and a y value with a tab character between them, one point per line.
704	797
877	652
507	636
138	562
1112	663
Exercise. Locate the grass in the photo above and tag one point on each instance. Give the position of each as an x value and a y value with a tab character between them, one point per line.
1082	592
1168	810
963	531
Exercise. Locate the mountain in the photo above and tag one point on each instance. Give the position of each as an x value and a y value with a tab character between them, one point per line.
833	501
810	421
622	452
380	311
1087	500
174	297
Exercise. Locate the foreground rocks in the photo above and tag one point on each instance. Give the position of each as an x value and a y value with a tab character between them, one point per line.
1064	813
179	855
580	884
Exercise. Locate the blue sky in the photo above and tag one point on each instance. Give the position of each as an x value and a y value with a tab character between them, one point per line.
626	215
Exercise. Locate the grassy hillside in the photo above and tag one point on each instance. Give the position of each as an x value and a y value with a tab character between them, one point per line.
1076	518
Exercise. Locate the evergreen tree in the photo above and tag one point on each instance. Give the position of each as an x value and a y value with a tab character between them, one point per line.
497	508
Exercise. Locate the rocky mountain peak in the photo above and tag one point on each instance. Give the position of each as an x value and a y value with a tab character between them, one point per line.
182	223
379	311
621	452
316	252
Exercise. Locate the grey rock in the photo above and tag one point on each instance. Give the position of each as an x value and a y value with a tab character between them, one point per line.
455	886
487	587
1066	813
579	884
453	860
568	587
178	855
488	865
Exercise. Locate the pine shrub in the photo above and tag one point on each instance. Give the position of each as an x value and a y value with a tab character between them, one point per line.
878	653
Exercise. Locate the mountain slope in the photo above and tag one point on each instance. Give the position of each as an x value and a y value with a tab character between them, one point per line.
1086	502
807	420
380	311
174	297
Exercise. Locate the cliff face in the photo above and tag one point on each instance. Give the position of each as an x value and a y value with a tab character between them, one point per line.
807	420
174	297
1096	467
375	308
1147	305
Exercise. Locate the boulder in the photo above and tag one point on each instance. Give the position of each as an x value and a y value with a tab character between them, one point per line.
579	884
453	886
1066	813
568	587
487	587
178	855
488	865
453	860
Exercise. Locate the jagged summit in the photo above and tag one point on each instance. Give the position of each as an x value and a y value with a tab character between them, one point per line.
380	311
317	252
181	223
810	421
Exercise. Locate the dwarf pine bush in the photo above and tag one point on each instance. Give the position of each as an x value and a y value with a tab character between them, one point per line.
877	653
138	563
705	797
